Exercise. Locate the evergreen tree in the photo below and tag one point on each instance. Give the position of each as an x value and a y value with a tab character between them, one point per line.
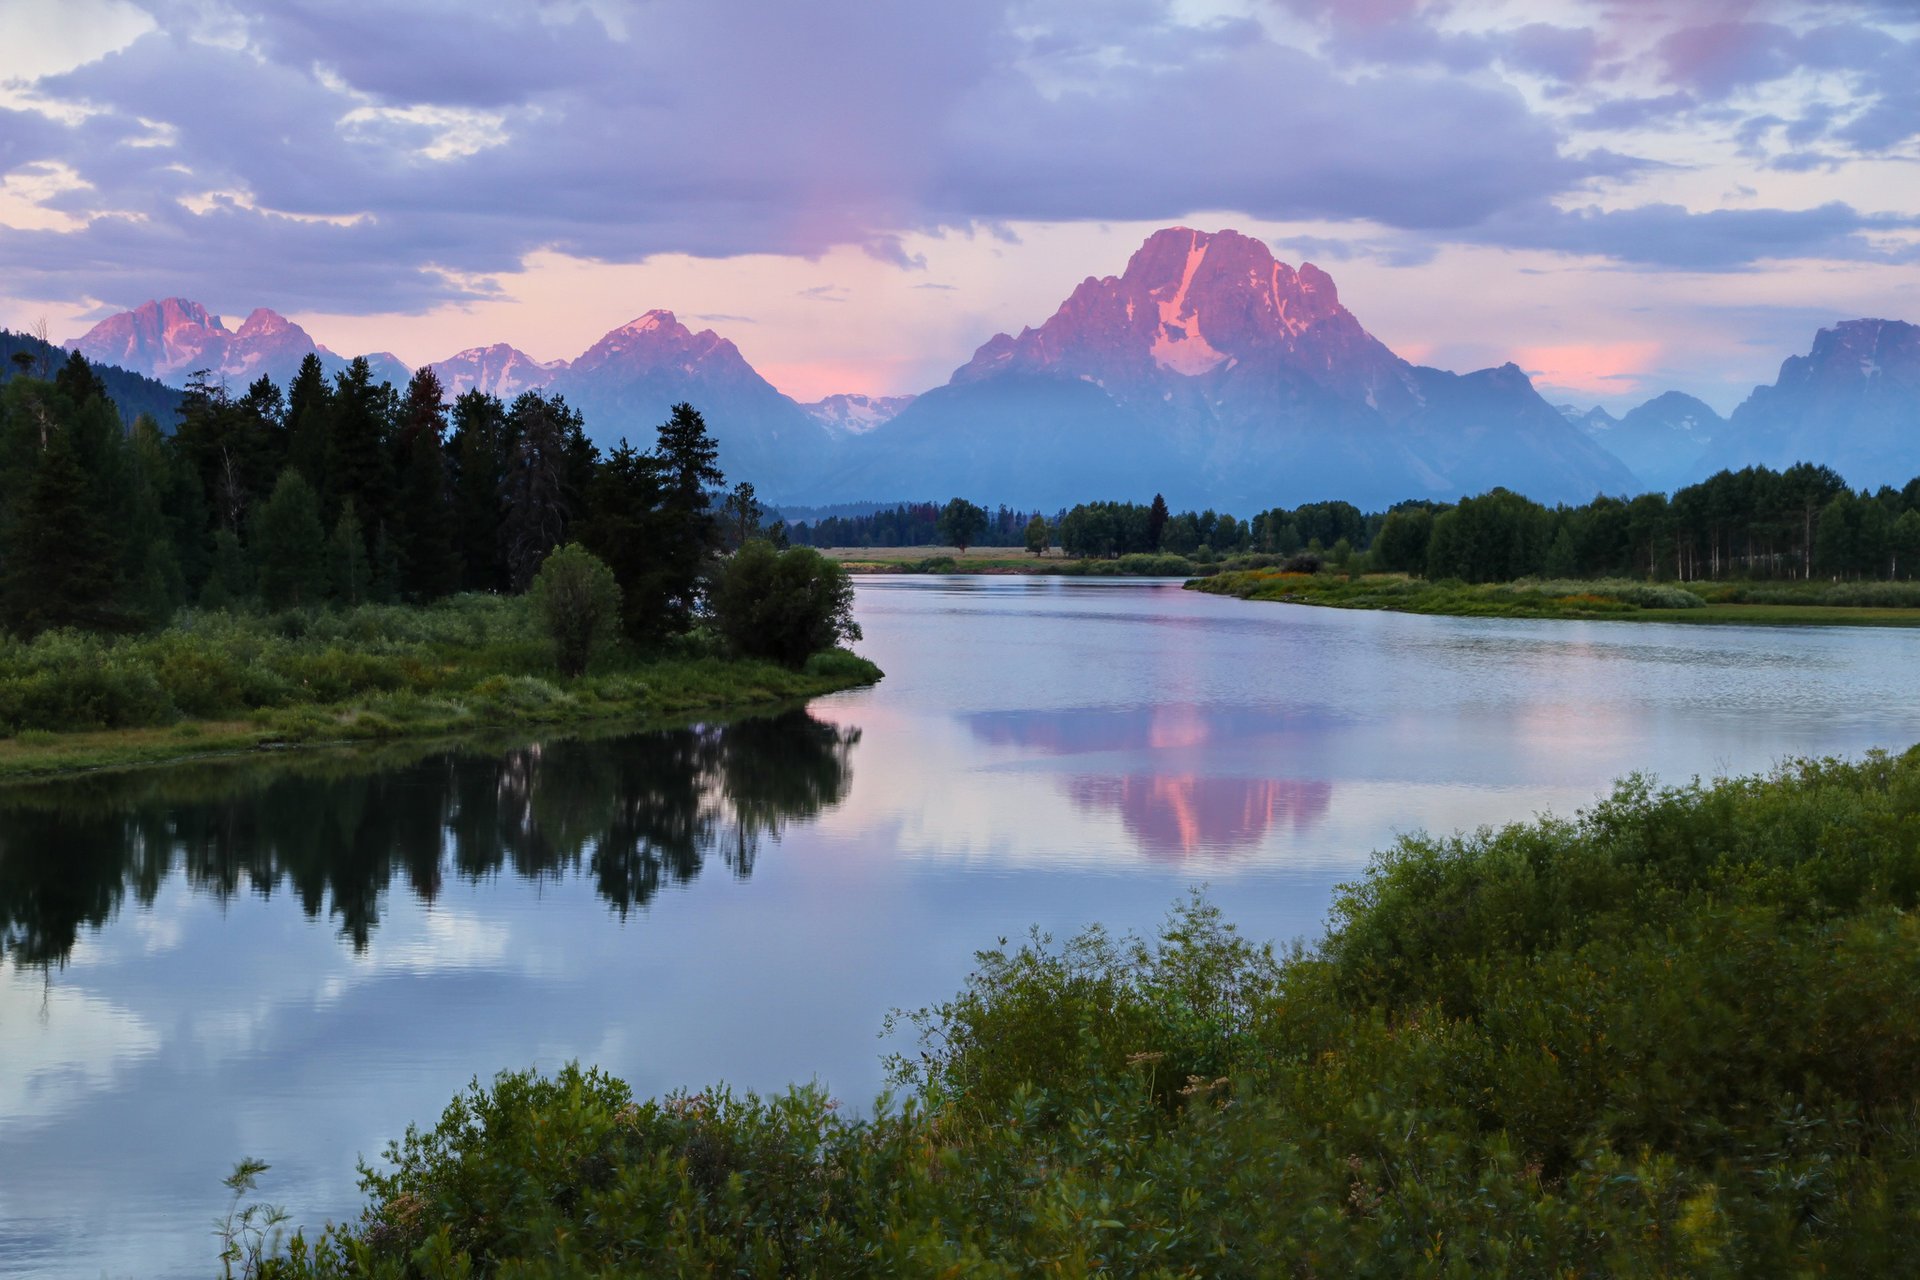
352	571
230	577
289	544
537	499
384	586
623	528
686	460
429	560
60	561
1157	517
309	406
359	463
479	447
150	562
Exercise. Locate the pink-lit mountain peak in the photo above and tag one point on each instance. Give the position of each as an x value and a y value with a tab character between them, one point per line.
1190	303
658	339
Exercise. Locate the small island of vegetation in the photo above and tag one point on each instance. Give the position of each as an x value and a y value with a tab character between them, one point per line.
1669	1036
348	561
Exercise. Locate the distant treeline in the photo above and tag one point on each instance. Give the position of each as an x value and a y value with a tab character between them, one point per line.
132	393
337	490
1753	523
910	524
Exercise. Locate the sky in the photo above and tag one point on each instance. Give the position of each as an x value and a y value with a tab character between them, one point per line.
1622	196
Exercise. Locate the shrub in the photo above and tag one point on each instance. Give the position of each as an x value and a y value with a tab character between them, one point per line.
783	605
578	604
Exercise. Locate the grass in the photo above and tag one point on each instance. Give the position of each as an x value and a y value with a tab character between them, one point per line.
217	682
1795	604
1007	560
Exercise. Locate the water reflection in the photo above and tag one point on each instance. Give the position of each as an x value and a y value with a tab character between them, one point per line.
336	830
1182	815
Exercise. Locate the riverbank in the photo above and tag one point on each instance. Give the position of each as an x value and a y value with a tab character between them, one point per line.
216	683
1770	604
1009	560
1664	1037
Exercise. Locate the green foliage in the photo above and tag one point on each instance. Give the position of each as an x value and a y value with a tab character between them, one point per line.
578	605
1670	1036
961	522
1039	535
783	605
290	546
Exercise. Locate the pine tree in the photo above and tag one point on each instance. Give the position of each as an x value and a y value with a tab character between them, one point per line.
1157	517
359	460
352	572
429	560
479	447
537	499
685	458
230	578
289	545
309	406
622	528
59	555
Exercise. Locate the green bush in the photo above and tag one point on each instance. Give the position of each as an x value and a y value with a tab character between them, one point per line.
783	605
578	604
1673	1035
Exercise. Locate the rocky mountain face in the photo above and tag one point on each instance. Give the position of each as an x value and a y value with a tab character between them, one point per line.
498	370
627	383
1214	374
854	415
1662	441
1852	403
171	338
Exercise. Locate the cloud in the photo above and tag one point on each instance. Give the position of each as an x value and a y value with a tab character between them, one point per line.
1669	236
353	158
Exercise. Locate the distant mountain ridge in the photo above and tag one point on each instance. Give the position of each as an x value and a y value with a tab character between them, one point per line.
1208	370
1213	373
1852	403
169	339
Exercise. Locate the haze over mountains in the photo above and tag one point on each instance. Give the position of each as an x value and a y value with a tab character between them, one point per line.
1206	370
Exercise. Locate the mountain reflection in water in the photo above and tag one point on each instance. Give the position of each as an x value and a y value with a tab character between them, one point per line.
1166	785
337	829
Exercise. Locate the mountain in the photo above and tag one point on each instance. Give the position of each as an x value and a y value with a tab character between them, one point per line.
1218	376
1664	439
132	393
1852	403
853	415
171	338
627	383
498	370
1596	422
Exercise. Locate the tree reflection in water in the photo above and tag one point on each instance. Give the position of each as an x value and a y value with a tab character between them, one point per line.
336	829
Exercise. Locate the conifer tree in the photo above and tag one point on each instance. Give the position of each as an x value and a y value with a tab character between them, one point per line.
479	448
59	566
352	571
359	460
309	405
289	545
537	497
230	577
429	560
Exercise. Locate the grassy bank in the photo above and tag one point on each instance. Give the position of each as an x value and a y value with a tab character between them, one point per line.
215	682
1007	560
1816	603
1672	1036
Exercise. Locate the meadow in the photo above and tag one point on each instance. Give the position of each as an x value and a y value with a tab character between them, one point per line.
216	681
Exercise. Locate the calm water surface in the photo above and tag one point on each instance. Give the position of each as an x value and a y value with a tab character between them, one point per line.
294	959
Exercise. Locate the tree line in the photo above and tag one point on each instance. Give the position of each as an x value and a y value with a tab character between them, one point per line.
341	490
911	524
1802	522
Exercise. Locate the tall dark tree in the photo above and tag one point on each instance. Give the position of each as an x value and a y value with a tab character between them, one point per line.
290	545
359	461
60	561
538	502
623	527
424	519
480	446
961	522
1157	516
687	459
309	407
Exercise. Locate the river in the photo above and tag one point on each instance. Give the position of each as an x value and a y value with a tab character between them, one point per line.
293	958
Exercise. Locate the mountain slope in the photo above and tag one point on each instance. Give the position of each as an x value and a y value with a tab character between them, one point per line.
132	393
628	382
1214	374
499	370
1664	439
1852	403
171	338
